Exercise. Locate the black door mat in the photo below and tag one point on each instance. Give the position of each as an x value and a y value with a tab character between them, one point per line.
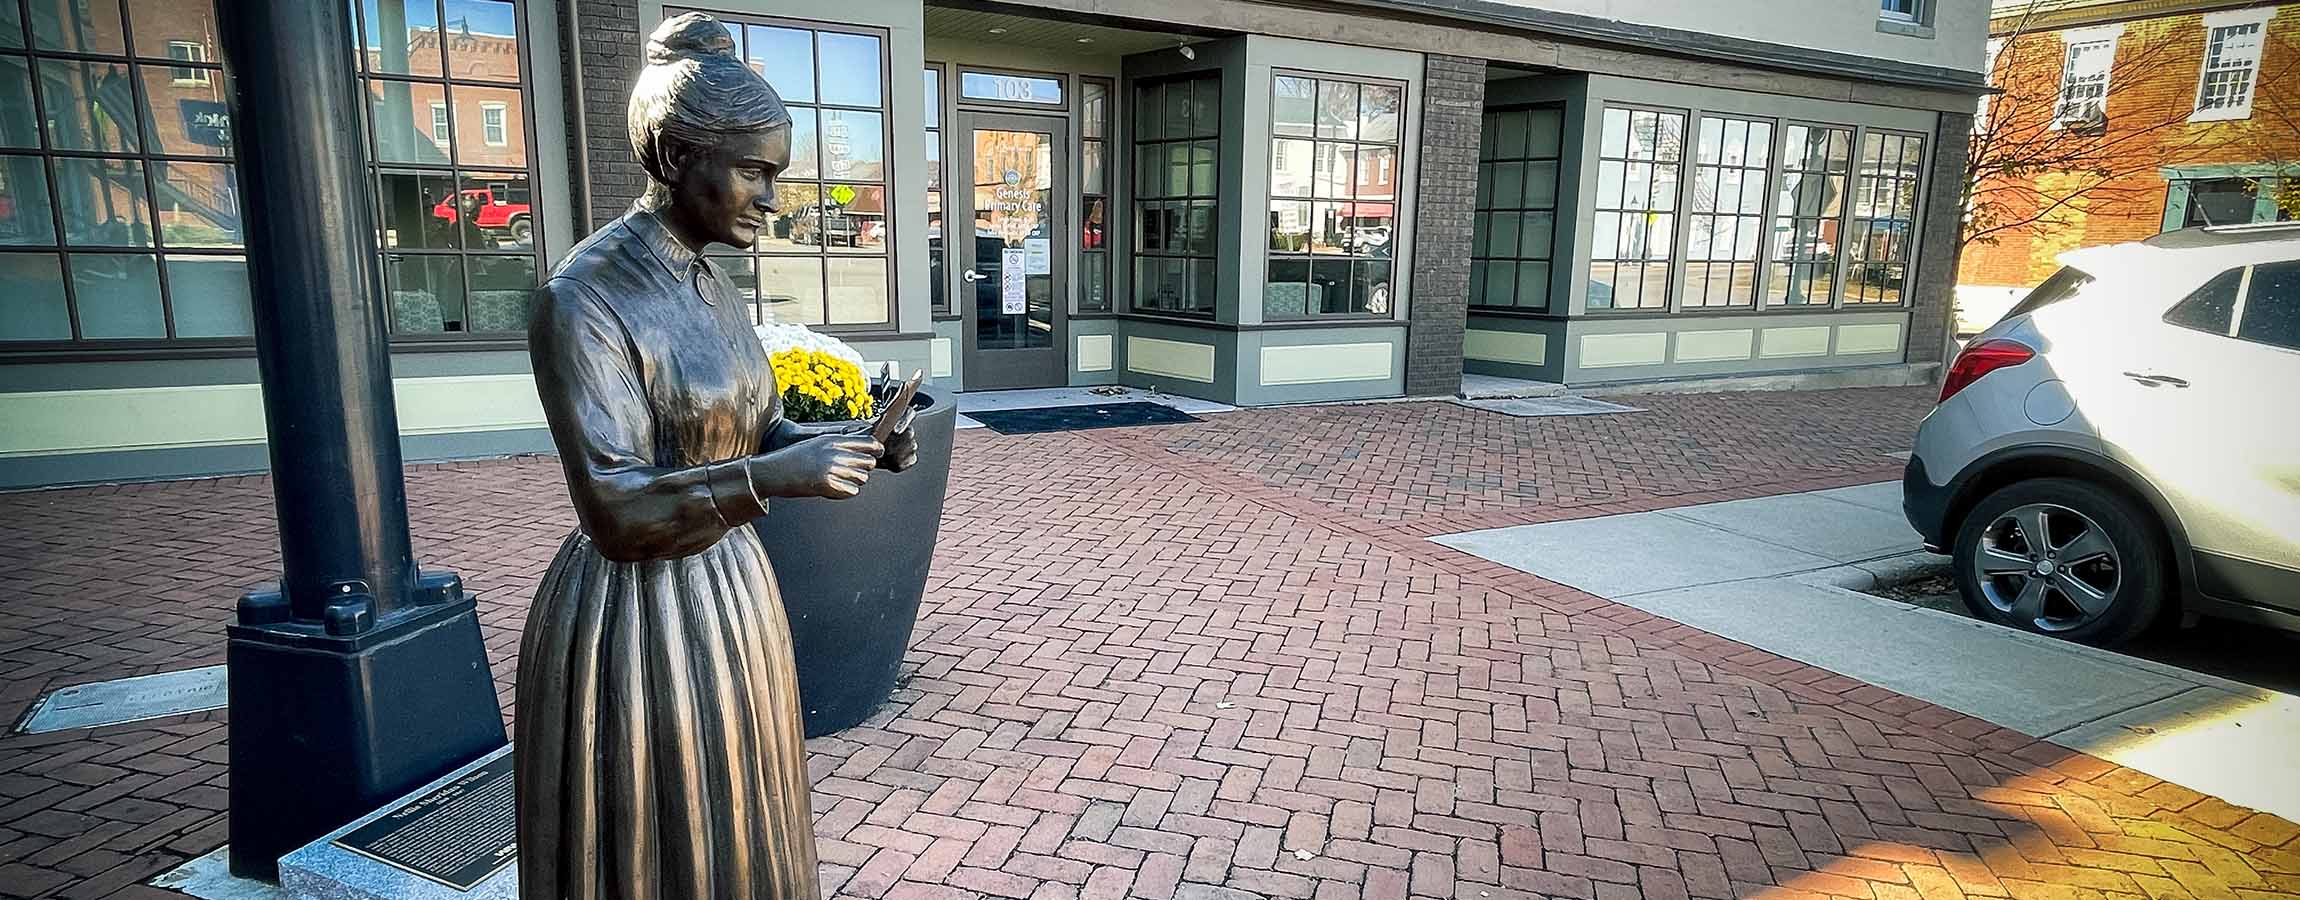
1080	418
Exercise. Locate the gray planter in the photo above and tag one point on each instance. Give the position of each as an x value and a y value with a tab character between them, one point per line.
852	573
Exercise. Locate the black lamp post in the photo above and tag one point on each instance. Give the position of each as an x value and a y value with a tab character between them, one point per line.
358	677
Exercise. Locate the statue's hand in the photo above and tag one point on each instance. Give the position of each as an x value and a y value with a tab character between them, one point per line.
833	465
901	449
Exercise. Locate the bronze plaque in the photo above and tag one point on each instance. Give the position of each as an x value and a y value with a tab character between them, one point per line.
456	834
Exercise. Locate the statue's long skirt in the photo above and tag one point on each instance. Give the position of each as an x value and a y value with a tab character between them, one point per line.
660	750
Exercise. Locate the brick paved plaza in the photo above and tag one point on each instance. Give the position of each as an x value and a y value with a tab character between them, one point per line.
1220	660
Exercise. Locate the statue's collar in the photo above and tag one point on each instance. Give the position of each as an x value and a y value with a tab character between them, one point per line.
675	257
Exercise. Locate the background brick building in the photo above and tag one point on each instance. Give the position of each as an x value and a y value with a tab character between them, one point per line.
2121	119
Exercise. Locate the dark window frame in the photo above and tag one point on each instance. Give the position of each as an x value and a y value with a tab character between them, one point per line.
893	242
937	128
138	60
1778	211
1138	251
1690	287
1858	190
1671	272
1104	252
1482	257
454	170
1356	261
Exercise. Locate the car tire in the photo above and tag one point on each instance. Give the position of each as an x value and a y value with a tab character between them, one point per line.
2099	576
523	231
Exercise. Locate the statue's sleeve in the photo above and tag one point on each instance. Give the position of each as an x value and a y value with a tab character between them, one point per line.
587	374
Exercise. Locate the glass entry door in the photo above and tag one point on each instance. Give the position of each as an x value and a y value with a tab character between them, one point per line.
1013	250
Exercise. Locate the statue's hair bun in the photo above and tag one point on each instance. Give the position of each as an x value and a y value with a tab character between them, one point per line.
689	36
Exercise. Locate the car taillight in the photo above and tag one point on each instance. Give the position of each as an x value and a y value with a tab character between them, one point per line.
1981	358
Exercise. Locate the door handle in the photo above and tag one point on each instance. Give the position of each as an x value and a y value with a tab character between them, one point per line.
2152	379
970	275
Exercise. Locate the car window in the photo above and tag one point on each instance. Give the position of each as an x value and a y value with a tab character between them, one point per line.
2208	308
2272	306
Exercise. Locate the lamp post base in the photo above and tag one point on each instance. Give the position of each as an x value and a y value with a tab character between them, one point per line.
326	727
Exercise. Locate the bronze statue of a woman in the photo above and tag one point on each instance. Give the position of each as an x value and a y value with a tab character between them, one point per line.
660	752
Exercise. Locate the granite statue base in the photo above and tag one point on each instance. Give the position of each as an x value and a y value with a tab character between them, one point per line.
454	828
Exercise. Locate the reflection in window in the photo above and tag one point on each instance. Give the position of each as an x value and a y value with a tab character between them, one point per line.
120	209
2272	306
1639	153
1726	214
456	207
1176	183
1815	163
2224	201
2231	60
2211	308
937	250
822	259
1333	197
1094	107
1884	218
1516	219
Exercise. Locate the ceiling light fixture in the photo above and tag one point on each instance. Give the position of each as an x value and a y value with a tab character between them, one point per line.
1187	53
1086	40
998	31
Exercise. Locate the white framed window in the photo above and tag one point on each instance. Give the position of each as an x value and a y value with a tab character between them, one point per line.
1900	10
188	51
494	124
439	123
2084	74
2231	64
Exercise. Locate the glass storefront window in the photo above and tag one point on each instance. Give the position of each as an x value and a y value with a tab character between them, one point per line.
822	260
1816	162
937	249
1333	197
455	199
1094	105
1514	228
1884	219
120	209
1639	155
1176	190
1726	212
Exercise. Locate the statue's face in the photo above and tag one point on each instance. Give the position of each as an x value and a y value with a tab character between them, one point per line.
727	192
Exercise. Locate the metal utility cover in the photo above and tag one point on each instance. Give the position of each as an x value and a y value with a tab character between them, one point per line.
129	700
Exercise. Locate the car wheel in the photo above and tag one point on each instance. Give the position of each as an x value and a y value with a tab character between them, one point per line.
522	231
2062	557
1379	303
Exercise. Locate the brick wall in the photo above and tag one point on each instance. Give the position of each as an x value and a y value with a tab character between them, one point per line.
2152	89
1453	99
609	50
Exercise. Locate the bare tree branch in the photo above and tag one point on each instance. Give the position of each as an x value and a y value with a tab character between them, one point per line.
2026	168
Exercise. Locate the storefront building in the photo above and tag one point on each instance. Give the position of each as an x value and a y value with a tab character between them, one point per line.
1249	202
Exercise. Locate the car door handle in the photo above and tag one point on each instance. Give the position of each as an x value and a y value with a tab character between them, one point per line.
2152	379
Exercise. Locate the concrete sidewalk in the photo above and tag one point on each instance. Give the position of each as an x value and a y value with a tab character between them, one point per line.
1773	573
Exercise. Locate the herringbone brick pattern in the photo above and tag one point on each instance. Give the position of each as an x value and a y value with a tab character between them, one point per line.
1152	671
1455	467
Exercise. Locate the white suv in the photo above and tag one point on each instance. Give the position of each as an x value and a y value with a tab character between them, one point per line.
2125	443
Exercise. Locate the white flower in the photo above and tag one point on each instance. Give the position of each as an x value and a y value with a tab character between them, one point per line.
778	338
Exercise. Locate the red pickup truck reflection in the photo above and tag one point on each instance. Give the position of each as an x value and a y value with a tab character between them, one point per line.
491	209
